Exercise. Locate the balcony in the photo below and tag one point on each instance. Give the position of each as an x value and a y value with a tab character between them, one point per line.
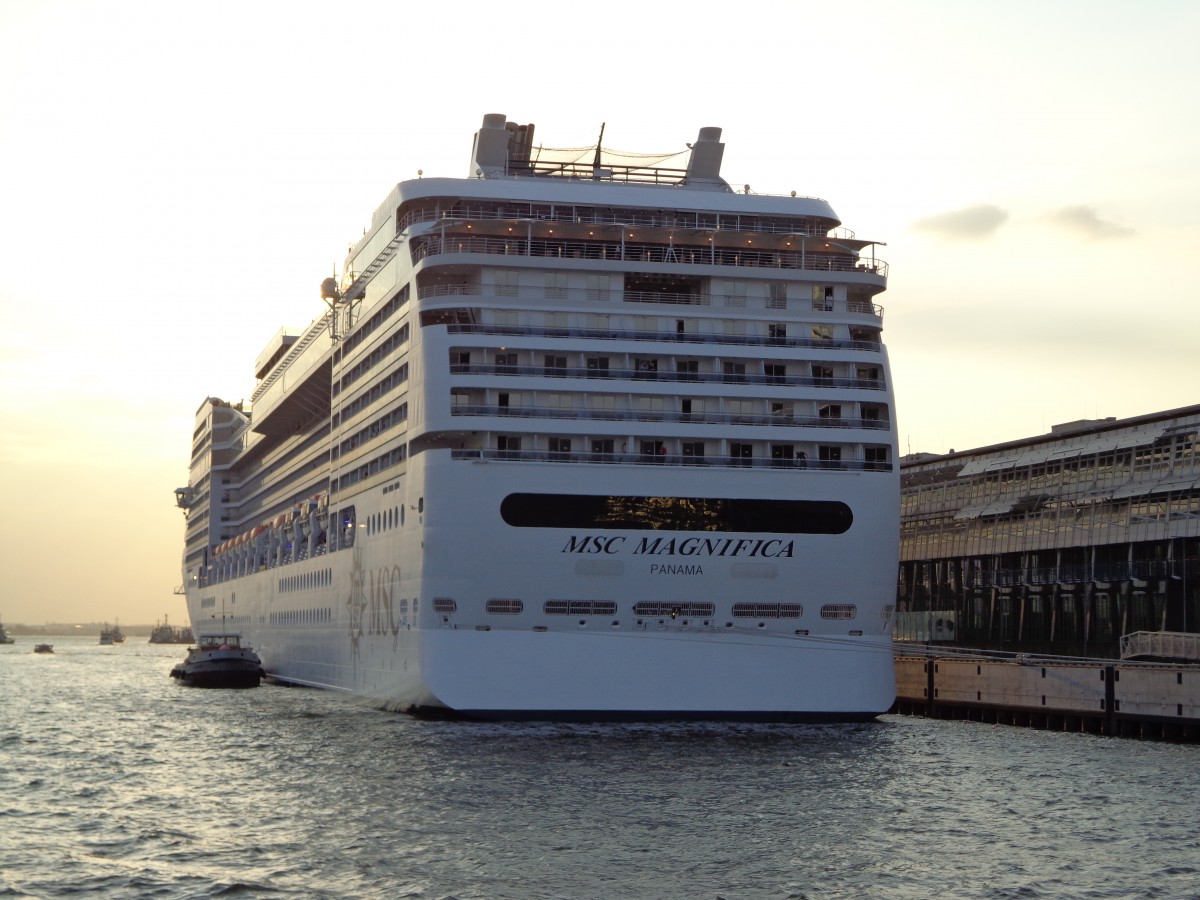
436	244
660	416
669	460
663	375
666	337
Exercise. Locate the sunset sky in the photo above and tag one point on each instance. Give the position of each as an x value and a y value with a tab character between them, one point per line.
176	180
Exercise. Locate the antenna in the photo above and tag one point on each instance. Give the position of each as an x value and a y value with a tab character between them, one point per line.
599	144
332	296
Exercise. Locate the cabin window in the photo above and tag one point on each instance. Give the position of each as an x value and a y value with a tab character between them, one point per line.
556	285
598	287
645	367
829	453
654	451
506	286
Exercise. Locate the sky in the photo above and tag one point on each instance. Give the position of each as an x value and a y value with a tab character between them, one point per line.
177	179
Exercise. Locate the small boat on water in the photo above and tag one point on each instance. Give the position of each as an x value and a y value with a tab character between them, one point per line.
166	633
4	638
112	635
43	648
220	660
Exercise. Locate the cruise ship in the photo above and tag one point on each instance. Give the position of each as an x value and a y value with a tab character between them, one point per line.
582	435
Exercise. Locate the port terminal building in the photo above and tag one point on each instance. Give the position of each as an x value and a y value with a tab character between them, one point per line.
1059	544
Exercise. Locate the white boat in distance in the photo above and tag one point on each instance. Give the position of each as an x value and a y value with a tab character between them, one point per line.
582	435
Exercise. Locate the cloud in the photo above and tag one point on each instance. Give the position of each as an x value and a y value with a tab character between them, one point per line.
1084	222
973	223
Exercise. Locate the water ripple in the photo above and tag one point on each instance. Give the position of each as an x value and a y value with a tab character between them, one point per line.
119	782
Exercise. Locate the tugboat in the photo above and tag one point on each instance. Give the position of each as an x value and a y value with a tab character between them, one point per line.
220	660
43	648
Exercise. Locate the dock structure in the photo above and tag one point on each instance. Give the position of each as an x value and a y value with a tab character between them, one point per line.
1055	544
1121	698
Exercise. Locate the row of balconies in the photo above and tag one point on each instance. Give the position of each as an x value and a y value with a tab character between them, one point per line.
779	419
827	307
624	217
659	255
817	337
598	368
793	459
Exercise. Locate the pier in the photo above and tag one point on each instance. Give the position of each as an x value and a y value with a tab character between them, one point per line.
1119	698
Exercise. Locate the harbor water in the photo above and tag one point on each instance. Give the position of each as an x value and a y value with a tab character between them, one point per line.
117	781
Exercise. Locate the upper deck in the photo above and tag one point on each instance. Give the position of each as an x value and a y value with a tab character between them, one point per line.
561	197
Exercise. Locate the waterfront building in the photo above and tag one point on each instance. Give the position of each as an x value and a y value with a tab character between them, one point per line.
1059	543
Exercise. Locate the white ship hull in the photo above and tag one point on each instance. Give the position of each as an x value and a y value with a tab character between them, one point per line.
382	642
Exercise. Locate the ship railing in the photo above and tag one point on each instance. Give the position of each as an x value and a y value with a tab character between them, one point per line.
864	384
673	337
580	171
318	327
1173	645
631	217
732	301
433	244
698	418
671	459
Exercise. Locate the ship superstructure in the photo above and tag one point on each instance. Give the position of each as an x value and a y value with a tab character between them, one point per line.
578	436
